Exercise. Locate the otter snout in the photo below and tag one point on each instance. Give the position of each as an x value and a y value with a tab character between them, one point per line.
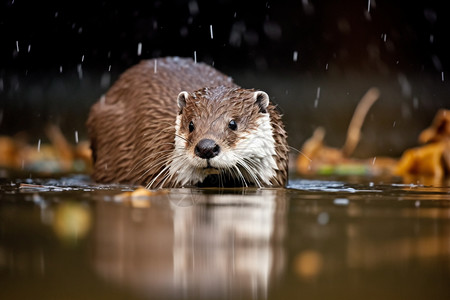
207	149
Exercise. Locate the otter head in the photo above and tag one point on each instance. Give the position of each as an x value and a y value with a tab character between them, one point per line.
224	134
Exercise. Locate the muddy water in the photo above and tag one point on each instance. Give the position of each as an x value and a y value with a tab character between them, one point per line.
71	239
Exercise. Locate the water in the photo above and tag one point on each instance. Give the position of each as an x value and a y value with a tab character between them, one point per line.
68	238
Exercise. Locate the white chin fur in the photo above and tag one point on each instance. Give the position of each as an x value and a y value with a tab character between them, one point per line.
252	158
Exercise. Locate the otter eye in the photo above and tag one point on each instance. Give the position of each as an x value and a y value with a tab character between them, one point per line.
191	126
232	125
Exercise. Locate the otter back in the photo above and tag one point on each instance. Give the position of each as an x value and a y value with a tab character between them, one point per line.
172	122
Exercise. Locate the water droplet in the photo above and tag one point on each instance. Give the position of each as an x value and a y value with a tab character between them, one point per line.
76	137
80	71
139	49
436	62
39	146
195	56
211	31
415	103
295	56
404	85
105	80
155	68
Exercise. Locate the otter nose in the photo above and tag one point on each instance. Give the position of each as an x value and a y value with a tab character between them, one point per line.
207	149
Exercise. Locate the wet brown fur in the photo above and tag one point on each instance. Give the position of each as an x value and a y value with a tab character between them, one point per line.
132	127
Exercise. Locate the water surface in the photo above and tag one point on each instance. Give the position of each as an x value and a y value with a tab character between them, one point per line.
71	239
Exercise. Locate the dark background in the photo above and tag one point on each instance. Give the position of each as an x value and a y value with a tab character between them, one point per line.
57	58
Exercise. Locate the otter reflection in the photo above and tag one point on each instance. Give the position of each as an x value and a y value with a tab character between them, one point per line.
204	245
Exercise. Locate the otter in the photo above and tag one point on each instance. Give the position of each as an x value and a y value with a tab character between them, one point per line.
173	122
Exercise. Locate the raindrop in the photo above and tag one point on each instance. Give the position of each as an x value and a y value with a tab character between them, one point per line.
29	48
374	160
80	71
82	58
211	31
417	203
56	14
316	101
139	49
436	62
155	68
80	30
17	46
109	68
2	85
404	85
393	124
60	69
105	80
415	103
431	39
193	7
326	67
195	56
406	112
442	76
368	6
76	137
184	31
39	146
237	31
295	56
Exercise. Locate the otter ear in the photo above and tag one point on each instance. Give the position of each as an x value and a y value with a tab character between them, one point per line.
182	97
262	100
